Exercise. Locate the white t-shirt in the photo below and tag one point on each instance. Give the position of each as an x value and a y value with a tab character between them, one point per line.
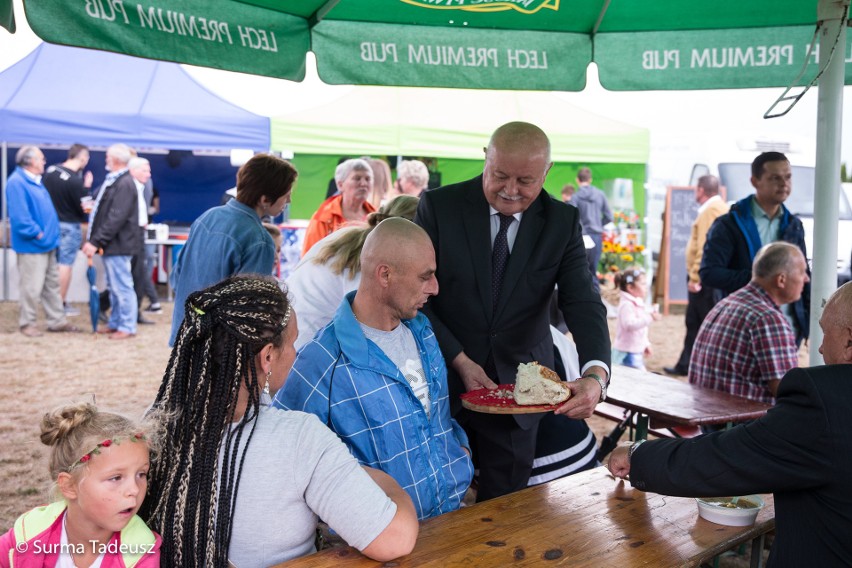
295	470
316	291
65	560
400	347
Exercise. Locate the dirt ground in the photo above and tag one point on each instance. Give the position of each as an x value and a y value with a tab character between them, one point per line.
41	373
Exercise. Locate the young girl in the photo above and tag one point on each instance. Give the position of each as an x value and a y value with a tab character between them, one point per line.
100	463
631	333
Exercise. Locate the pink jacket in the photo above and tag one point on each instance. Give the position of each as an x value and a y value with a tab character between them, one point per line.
631	331
34	542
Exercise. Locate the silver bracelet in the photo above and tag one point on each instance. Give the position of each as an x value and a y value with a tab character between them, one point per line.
633	447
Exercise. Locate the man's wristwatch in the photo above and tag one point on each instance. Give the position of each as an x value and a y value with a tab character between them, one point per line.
632	449
600	381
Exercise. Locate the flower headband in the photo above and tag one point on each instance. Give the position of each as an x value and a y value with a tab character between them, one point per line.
107	443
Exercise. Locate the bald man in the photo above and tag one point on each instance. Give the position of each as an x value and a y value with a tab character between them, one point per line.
502	245
801	450
375	374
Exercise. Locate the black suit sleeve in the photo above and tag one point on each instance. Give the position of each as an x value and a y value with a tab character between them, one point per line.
450	345
788	449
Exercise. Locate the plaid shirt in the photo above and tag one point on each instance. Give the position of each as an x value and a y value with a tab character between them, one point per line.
376	414
744	343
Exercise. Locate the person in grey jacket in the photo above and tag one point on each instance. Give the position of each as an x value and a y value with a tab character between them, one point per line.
595	212
114	229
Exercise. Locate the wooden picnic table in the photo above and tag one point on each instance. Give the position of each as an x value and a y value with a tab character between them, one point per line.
585	520
669	402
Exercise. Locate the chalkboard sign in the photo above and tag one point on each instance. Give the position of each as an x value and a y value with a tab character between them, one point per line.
681	211
680	214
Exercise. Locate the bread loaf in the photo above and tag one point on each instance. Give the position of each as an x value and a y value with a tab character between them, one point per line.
535	384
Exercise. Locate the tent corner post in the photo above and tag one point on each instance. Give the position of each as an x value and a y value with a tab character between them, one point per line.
4	218
834	14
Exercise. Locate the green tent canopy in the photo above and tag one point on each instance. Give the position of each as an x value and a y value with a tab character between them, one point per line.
7	15
452	123
483	44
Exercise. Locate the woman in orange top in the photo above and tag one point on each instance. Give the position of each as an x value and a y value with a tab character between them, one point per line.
354	180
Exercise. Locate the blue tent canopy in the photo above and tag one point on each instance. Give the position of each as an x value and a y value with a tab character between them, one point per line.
60	95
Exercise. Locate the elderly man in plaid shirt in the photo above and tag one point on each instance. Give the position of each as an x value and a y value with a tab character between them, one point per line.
375	374
745	344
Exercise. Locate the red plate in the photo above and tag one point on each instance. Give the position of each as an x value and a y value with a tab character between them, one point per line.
500	401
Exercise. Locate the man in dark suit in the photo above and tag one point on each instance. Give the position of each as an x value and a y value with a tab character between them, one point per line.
501	245
801	450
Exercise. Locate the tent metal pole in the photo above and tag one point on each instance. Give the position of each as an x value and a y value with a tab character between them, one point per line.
4	218
832	43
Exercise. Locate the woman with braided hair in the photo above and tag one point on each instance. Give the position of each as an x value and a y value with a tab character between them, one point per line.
242	482
332	269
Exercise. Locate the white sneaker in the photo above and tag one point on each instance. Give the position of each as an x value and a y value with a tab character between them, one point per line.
71	311
154	309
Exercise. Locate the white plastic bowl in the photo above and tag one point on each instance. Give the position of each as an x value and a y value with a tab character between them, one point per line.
710	509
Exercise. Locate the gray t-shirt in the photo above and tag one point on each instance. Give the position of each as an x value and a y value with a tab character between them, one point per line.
401	348
295	470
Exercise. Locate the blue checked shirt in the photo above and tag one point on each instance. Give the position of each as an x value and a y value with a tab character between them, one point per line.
375	412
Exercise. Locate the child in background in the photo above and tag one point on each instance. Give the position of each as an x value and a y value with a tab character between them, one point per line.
99	462
631	333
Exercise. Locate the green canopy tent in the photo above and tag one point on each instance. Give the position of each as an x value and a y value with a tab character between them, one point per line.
500	44
452	125
508	44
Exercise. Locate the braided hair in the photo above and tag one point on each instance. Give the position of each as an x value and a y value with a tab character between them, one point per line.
226	325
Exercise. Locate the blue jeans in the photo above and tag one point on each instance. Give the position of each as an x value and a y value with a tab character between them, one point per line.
635	360
122	297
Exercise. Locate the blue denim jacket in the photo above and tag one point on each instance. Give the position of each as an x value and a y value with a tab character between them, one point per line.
225	240
375	412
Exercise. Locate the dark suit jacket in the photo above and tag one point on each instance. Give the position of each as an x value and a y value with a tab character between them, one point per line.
801	451
548	250
115	227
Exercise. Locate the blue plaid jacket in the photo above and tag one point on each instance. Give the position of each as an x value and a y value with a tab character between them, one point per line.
375	412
